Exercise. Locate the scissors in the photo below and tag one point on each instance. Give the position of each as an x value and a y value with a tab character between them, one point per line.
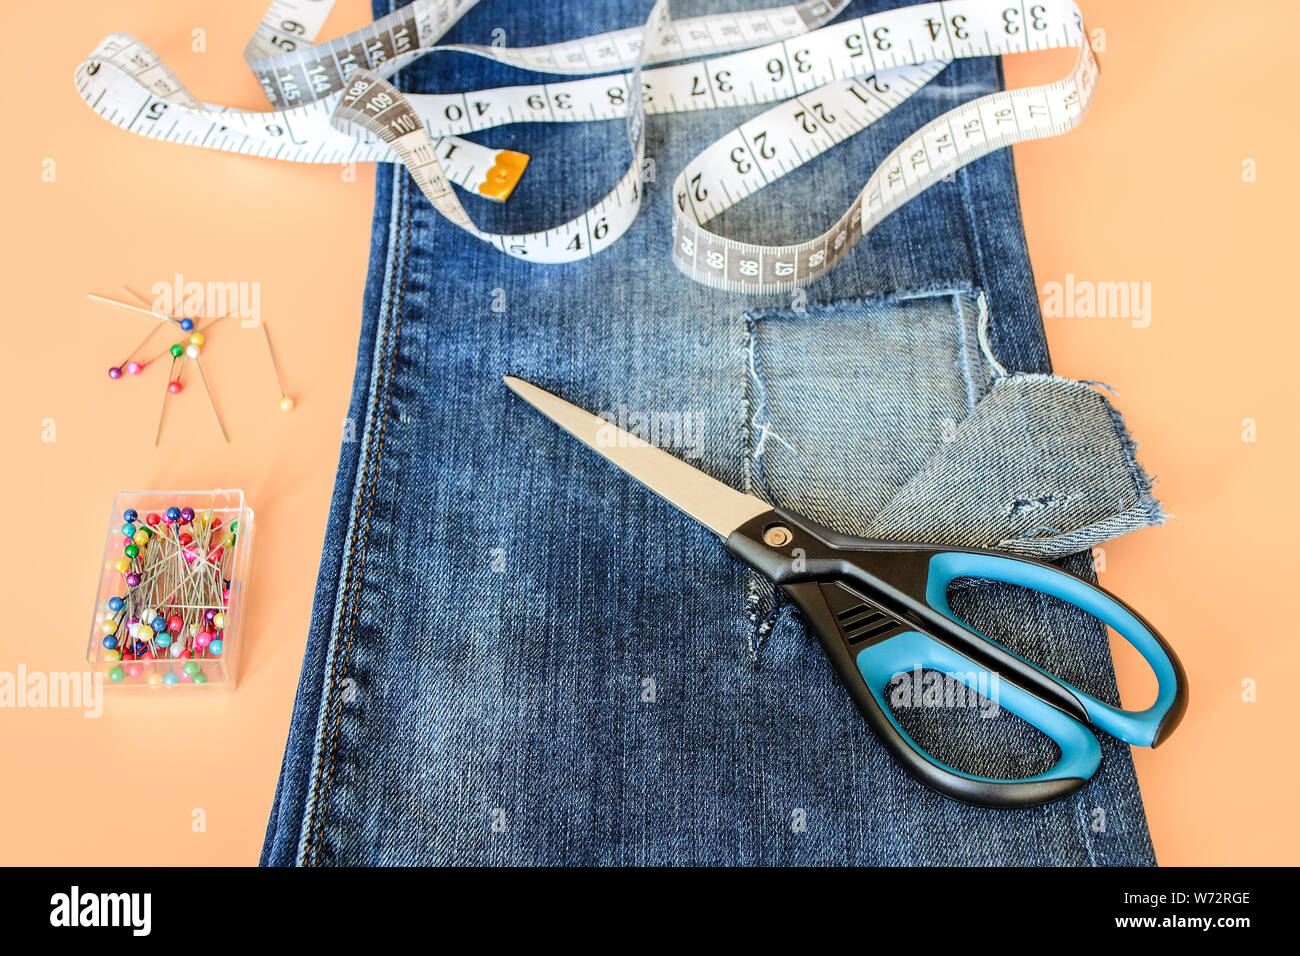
880	609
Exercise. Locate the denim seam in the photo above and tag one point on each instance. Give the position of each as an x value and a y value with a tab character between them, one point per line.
757	418
755	407
966	190
357	554
364	492
973	372
358	486
929	290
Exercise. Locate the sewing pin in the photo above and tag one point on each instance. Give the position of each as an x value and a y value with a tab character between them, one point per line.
134	308
286	403
184	321
133	368
192	351
173	387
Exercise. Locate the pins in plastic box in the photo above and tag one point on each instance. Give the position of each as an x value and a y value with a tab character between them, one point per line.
165	620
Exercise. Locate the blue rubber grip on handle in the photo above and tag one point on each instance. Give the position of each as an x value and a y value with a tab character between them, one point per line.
1135	727
904	653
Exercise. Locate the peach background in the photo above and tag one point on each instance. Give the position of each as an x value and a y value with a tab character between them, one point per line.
1149	189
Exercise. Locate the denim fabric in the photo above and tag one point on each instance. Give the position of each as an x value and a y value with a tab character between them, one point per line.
518	655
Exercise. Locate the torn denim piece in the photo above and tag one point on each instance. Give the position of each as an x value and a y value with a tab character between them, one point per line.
1044	466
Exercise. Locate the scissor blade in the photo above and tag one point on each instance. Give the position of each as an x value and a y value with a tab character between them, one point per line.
705	499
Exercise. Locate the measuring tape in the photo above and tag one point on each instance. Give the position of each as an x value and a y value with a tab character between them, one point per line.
829	82
128	84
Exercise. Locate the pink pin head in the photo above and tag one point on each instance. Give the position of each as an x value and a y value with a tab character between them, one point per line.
134	368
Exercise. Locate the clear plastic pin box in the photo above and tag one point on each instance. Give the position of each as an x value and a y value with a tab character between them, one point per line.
169	608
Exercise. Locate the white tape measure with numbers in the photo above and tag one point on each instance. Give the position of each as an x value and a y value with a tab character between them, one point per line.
333	104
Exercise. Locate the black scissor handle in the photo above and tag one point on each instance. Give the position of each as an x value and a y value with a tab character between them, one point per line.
867	671
879	609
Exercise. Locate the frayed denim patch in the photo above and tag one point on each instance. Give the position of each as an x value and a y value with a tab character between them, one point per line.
890	418
874	416
1044	466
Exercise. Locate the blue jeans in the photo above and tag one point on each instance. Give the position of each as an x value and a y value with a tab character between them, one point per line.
517	655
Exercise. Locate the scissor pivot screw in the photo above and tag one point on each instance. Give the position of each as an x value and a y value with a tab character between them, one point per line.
777	536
